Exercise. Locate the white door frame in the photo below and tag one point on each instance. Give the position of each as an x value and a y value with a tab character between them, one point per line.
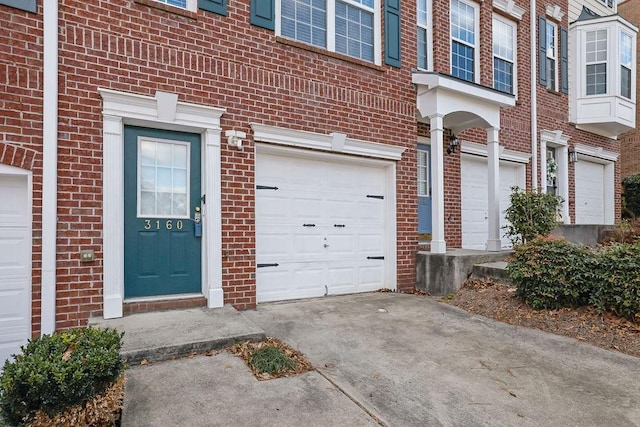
15	171
160	112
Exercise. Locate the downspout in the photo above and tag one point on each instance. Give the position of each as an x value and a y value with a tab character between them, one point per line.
534	98
49	167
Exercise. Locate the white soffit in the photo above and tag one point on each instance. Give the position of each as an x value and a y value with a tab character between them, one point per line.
334	142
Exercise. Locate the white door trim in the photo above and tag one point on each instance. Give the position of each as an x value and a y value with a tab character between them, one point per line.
390	254
160	112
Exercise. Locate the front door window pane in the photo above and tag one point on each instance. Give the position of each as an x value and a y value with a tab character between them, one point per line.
163	168
423	173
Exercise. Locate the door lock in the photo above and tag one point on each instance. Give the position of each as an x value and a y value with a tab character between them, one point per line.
197	225
326	246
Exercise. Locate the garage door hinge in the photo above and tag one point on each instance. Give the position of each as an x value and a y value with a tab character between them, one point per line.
265	187
268	265
375	257
371	196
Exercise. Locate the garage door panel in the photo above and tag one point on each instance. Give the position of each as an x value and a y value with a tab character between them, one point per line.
589	193
333	197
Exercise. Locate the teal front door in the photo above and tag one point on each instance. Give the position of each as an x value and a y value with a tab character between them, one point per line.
162	243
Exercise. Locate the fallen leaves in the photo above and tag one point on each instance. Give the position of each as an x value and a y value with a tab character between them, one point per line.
246	349
499	302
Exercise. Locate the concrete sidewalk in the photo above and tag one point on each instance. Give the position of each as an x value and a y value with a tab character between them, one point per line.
168	334
388	359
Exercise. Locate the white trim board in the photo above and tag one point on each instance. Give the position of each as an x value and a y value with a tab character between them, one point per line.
335	142
160	112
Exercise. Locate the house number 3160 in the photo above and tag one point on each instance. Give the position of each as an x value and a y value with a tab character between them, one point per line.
157	224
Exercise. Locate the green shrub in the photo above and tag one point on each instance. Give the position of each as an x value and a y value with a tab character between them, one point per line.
552	273
631	194
617	287
271	359
531	214
55	372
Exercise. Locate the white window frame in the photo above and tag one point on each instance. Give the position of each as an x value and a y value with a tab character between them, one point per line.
425	167
192	5
427	27
605	62
514	46
631	68
331	27
552	55
475	46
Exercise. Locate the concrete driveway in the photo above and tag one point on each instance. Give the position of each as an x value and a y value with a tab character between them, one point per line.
397	360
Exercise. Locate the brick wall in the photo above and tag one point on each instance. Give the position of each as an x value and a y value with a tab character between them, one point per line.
21	118
630	142
223	62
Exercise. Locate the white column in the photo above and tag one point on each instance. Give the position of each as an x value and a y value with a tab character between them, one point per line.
562	154
212	223
438	244
493	152
113	216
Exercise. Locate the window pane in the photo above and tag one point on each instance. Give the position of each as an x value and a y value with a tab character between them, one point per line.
462	61
423	173
304	20
178	3
422	12
354	31
462	22
625	50
596	79
422	48
625	77
502	40
502	75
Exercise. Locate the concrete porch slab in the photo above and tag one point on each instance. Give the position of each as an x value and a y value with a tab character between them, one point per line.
169	334
442	274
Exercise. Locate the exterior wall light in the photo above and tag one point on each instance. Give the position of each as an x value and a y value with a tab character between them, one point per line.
573	156
453	143
234	138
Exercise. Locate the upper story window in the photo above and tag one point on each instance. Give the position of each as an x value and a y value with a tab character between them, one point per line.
504	55
608	3
349	26
551	49
596	61
424	34
626	63
464	40
184	4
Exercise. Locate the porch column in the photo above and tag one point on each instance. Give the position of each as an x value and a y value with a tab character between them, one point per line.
438	244
493	152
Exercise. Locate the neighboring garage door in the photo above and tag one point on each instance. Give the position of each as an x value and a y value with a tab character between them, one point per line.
590	181
320	226
15	264
475	195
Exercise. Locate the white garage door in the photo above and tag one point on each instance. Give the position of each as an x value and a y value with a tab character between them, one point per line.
320	227
589	193
475	195
15	264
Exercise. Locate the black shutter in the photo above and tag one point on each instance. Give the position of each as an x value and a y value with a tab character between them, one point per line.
215	6
392	33
542	50
564	61
263	14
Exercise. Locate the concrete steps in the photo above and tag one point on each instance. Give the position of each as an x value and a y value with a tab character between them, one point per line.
496	271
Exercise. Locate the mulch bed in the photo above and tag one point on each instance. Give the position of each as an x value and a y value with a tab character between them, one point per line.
246	349
499	302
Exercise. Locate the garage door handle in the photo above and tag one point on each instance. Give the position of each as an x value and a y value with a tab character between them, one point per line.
268	265
308	225
339	225
375	257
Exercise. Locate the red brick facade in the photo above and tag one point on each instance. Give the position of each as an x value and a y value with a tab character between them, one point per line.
223	61
630	142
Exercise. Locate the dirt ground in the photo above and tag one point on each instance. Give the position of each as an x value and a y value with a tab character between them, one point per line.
499	302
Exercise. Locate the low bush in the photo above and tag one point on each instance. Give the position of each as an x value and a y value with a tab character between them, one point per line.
56	372
552	273
618	280
531	214
628	231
